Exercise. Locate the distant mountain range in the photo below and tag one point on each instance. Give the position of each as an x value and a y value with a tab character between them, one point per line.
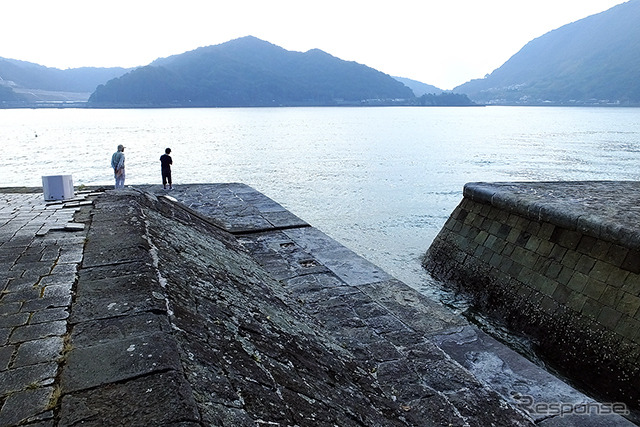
592	61
242	72
419	88
22	81
251	72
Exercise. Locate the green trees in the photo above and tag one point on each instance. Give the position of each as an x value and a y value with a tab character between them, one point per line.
445	99
591	61
250	72
145	86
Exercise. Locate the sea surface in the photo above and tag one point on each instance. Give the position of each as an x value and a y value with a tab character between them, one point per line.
382	181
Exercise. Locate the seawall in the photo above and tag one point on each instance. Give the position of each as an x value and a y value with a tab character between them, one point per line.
558	262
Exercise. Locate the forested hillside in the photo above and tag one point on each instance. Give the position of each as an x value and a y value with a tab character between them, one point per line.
242	72
592	61
251	72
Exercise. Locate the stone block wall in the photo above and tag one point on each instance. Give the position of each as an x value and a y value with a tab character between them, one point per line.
549	262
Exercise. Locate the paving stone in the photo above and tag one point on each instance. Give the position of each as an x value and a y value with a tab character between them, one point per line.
67	240
133	267
14	380
20	241
23	405
279	255
52	291
353	270
49	315
23	294
50	253
14	320
31	276
118	328
119	360
8	257
34	265
67	256
123	294
6	353
47	302
4	335
28	258
412	308
64	269
38	331
137	401
59	279
38	351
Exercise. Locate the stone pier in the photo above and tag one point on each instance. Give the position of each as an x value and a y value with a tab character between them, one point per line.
212	305
557	263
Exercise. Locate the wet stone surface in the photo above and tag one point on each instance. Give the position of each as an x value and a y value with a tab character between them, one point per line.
557	265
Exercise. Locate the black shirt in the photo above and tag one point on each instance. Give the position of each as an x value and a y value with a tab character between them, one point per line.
166	161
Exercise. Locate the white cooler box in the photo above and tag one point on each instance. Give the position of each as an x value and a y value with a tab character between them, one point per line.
57	187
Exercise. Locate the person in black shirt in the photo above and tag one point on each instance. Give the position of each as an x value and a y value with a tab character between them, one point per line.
166	162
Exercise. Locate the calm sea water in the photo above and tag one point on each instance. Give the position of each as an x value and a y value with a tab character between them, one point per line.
382	181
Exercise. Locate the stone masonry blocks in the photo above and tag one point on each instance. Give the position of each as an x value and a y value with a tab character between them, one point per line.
537	239
591	266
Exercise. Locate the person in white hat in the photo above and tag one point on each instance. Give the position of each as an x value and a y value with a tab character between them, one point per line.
117	163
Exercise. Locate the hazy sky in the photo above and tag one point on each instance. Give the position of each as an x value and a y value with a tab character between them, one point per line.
441	42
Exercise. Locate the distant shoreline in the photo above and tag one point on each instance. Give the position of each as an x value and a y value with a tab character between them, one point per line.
81	105
159	107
